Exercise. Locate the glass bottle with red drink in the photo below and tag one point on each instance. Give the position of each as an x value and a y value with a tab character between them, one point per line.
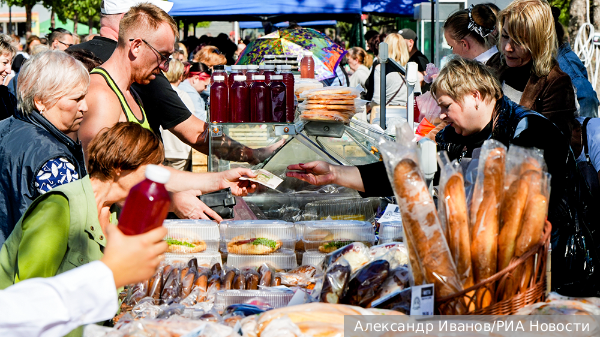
239	100
218	70
268	72
278	99
260	100
252	70
147	204
235	70
288	80
261	69
307	65
219	100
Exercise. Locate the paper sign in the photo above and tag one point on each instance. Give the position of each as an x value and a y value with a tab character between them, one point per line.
385	298
392	213
422	300
266	178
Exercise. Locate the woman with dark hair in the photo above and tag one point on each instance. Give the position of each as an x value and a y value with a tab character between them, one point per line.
197	81
472	33
572	66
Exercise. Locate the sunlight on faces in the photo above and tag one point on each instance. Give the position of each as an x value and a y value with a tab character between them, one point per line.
163	40
463	116
5	64
67	114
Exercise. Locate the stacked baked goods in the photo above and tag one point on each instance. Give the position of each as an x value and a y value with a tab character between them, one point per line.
468	246
331	104
305	84
192	236
328	236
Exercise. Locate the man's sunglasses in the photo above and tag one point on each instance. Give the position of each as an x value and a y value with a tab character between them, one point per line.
163	64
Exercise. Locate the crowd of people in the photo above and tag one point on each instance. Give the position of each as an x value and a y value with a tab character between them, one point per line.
81	122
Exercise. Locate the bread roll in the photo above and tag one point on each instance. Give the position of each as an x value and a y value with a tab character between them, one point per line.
484	246
423	229
459	240
531	233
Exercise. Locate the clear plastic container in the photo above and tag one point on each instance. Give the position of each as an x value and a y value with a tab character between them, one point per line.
275	298
307	65
279	261
347	209
391	232
206	259
192	236
327	236
259	237
313	259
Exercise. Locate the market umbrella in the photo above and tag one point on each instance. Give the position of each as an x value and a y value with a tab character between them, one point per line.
326	53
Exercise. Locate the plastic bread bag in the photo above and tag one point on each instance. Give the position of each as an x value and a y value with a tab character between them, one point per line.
452	205
267	275
251	277
145	309
423	233
335	282
484	216
301	276
428	108
135	293
525	178
171	287
363	286
397	280
188	276
336	93
356	254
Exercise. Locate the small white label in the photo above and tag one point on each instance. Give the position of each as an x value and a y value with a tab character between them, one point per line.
392	213
422	300
385	298
298	298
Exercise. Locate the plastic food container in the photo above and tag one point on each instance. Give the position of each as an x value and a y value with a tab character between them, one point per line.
279	261
348	209
391	232
259	237
314	259
273	298
192	236
207	259
299	233
327	236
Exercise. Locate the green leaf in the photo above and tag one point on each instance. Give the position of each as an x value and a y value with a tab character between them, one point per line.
265	242
179	243
337	244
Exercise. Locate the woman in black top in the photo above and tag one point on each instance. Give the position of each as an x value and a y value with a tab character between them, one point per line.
8	102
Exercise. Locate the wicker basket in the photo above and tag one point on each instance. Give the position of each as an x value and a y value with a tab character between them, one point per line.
504	286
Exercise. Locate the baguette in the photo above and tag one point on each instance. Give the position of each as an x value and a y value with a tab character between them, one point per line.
484	246
415	267
531	233
511	214
424	230
458	227
493	178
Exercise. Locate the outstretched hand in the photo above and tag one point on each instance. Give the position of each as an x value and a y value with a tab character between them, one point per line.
315	173
231	178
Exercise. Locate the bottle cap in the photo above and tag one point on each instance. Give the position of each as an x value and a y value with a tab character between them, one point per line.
276	78
236	67
219	67
239	78
157	174
252	67
286	67
258	77
244	67
269	67
308	53
270	57
219	78
262	66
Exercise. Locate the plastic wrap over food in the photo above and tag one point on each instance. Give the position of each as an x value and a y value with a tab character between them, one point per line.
484	215
331	104
356	254
422	227
454	214
335	282
395	253
279	261
303	85
391	232
260	237
192	236
328	236
364	285
347	209
275	298
428	108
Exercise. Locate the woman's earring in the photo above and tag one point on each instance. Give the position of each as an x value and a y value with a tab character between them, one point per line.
477	107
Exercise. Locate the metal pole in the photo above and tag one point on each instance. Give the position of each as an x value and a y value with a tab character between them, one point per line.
9	19
437	29
236	29
432	31
411	81
383	58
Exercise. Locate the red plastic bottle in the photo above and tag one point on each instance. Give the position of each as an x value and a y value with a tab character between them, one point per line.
288	80
219	100
278	101
239	100
260	100
269	71
307	65
252	70
147	204
219	70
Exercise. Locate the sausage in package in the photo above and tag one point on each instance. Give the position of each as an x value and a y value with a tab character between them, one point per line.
422	227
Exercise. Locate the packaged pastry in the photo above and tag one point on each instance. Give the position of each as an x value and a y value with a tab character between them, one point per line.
356	254
328	236
395	253
331	93
422	227
391	232
335	282
360	209
192	236
283	261
259	237
363	286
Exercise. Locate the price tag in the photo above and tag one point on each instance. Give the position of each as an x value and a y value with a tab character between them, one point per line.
422	300
392	213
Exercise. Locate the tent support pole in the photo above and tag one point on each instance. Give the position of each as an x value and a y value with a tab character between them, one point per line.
383	58
432	30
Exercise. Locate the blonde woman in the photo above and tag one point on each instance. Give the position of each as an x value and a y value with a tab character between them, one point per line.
532	76
395	90
360	62
178	154
211	56
8	102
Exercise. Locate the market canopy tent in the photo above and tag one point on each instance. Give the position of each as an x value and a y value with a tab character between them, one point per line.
259	25
260	10
390	7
